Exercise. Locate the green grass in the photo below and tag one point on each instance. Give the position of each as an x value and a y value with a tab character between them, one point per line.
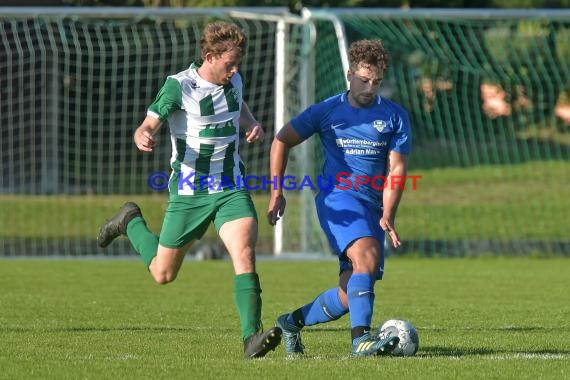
491	318
527	201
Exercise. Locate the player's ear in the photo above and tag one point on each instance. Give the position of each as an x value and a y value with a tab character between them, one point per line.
349	75
209	57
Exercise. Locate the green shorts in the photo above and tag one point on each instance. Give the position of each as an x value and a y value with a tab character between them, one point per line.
187	218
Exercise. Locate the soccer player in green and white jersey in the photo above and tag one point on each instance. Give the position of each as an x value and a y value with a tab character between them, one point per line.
205	110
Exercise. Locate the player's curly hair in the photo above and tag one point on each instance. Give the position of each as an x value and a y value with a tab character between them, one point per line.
370	52
219	37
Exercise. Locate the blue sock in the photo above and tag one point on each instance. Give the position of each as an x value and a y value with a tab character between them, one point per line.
325	308
360	292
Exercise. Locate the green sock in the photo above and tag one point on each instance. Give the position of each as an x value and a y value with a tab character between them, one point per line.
142	240
247	296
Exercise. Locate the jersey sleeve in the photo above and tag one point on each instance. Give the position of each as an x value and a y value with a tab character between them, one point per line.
168	100
307	122
402	140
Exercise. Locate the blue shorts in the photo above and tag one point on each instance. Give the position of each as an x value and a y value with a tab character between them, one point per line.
344	218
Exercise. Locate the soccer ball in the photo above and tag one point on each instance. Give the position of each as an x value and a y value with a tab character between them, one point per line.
409	338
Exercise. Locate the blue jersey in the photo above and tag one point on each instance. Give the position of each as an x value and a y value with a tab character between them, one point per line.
356	142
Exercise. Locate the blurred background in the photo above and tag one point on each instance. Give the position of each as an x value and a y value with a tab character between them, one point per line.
487	90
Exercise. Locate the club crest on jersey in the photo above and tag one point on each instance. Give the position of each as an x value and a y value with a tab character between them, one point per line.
379	125
193	83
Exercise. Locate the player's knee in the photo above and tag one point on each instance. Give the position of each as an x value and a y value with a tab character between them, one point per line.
244	260
364	255
366	263
164	278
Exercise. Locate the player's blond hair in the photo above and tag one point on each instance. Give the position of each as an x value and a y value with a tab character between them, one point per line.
371	52
219	37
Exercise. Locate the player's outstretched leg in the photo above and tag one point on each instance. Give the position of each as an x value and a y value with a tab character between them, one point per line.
117	225
291	336
258	345
368	345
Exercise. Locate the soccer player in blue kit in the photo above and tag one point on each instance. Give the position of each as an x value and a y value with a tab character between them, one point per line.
366	138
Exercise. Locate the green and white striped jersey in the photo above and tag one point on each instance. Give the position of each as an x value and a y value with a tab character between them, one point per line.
204	127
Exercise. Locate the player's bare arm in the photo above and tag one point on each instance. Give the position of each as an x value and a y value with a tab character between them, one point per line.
286	139
253	130
144	134
398	167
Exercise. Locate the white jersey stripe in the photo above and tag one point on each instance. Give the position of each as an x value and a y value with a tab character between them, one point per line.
182	101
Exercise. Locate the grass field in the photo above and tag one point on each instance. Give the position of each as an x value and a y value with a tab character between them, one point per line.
485	318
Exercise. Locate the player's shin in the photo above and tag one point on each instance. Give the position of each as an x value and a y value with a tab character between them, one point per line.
360	292
326	307
247	297
144	242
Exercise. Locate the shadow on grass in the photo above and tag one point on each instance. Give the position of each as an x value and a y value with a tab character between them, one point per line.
108	329
457	352
438	351
502	329
481	328
447	351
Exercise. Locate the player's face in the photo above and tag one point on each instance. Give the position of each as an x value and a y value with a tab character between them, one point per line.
364	84
224	67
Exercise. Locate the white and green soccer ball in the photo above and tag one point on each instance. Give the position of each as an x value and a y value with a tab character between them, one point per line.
409	338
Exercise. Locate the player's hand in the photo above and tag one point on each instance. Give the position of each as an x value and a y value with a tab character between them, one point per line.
254	133
276	209
388	226
144	140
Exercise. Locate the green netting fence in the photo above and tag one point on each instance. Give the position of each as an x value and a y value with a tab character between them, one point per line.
488	96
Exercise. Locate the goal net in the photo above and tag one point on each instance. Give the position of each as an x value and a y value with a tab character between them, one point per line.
75	83
488	93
